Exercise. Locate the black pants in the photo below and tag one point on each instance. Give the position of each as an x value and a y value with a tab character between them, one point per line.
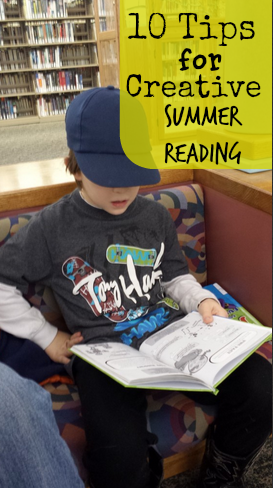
116	429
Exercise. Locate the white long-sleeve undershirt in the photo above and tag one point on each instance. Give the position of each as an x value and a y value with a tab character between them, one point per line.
187	292
22	320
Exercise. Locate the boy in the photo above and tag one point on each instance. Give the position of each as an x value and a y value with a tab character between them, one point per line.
74	246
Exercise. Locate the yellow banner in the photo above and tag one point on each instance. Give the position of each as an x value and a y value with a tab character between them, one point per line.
201	71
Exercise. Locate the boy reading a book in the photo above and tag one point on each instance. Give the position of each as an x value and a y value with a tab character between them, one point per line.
111	258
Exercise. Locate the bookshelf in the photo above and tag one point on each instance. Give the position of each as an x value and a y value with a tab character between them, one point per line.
50	50
108	41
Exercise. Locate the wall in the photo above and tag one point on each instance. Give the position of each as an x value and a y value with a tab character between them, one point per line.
239	252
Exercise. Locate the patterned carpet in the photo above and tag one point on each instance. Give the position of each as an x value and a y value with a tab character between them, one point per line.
259	476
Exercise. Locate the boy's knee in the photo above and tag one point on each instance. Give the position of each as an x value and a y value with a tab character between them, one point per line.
260	375
257	385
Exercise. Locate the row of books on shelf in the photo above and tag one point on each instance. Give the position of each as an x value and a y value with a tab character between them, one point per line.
11	59
58	56
42	82
103	25
54	105
66	80
11	33
65	31
107	15
102	4
47	32
15	83
11	109
48	57
8	9
58	80
38	9
43	107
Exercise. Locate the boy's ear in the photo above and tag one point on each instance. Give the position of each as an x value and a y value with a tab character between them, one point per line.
66	161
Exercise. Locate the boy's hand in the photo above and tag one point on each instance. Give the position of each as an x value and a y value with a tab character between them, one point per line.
210	307
58	350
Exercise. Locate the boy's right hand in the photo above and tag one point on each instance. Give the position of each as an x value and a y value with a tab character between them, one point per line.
58	349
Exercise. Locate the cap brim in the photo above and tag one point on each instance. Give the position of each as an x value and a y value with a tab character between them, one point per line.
119	172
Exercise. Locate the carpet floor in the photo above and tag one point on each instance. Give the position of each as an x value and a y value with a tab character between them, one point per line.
32	142
258	476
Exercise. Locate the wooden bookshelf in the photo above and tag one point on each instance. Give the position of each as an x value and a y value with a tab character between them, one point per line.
51	50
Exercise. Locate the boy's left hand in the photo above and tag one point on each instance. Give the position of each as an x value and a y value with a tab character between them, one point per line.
210	307
58	350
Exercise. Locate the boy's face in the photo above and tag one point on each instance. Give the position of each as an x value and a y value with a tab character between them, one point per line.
115	201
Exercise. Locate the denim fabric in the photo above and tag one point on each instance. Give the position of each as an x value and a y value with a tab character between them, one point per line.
32	453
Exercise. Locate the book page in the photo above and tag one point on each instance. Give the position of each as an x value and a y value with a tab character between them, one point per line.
124	362
203	351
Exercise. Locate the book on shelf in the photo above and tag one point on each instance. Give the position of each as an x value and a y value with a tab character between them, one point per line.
186	355
54	31
14	83
45	9
14	108
9	9
53	104
59	80
12	59
11	34
8	109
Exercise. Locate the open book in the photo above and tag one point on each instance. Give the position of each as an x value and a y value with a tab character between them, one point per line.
186	355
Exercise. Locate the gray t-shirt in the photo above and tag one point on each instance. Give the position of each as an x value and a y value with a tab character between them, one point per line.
105	271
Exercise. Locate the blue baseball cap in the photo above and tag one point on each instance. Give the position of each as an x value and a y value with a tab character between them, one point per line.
93	133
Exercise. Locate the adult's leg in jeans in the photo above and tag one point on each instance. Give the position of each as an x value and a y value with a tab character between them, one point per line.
116	430
32	452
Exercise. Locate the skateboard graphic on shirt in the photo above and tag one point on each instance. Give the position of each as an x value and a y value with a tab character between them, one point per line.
117	254
76	270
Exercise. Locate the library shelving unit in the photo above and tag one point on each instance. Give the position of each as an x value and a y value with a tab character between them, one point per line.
108	41
50	50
